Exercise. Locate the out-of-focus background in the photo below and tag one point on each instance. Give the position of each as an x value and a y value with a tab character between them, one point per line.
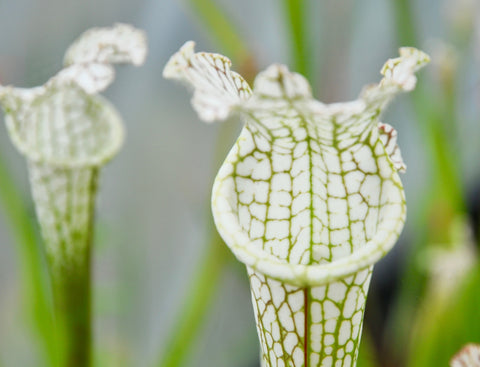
166	292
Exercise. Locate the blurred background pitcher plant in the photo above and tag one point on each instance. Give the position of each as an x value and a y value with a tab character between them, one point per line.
67	133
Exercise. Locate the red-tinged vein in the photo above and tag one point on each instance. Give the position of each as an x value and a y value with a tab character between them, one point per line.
306	326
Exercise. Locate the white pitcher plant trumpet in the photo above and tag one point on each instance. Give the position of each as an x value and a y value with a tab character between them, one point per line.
309	198
67	132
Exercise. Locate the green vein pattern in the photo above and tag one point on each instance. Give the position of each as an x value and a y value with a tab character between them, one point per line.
309	198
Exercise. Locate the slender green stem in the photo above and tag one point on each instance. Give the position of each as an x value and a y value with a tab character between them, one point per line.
71	283
205	283
221	28
34	274
443	159
297	17
445	198
405	23
72	296
199	298
434	119
72	315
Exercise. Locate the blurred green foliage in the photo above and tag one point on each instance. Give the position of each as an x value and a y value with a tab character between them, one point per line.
37	295
457	324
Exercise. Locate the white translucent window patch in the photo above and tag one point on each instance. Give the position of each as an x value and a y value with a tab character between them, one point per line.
468	356
326	178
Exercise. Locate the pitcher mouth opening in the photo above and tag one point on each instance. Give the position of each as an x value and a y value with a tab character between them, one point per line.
237	239
103	146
